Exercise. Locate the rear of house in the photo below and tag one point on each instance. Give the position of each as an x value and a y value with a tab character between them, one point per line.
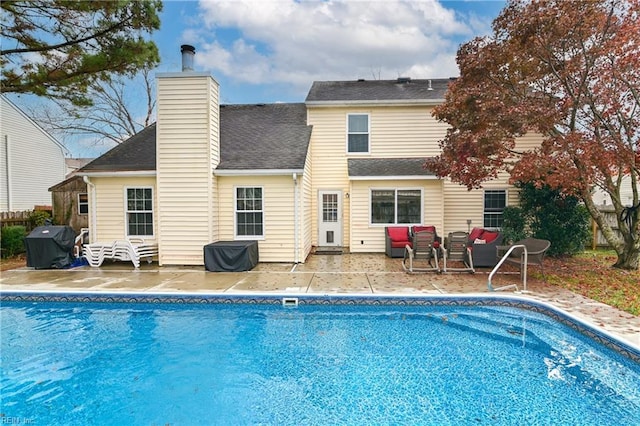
328	173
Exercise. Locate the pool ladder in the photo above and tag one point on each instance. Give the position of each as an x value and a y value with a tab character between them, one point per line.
523	271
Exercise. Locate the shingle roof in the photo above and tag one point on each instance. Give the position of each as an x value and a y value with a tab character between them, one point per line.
377	90
372	167
252	137
258	137
138	153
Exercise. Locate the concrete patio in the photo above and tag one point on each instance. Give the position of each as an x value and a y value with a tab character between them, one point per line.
321	274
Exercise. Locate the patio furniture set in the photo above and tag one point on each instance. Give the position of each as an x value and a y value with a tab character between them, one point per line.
421	249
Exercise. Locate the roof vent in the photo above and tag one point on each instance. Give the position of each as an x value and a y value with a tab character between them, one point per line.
188	52
361	79
430	87
404	80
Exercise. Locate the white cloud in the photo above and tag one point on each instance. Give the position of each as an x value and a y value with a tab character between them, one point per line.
300	41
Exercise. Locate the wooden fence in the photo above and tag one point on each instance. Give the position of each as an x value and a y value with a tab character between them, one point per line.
22	218
610	217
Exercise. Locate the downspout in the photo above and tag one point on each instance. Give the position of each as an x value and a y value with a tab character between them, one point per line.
295	218
9	174
94	219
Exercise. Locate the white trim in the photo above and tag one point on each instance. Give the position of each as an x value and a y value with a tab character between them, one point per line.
87	203
93	222
136	173
373	103
257	172
184	74
419	177
368	151
126	212
506	203
395	209
9	188
235	214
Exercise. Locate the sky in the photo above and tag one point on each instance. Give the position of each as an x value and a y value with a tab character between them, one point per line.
273	50
266	51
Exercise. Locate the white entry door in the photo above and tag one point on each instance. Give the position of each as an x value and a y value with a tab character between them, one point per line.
329	218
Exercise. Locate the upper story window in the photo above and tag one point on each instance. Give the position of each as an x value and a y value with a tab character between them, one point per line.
249	212
396	206
83	203
139	211
495	200
358	133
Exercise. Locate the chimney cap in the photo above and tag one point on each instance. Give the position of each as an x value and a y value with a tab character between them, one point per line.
187	48
188	52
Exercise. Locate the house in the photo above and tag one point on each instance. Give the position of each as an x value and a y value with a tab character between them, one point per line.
328	173
31	160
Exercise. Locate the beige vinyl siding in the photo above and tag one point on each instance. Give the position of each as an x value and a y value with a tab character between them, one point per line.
528	142
407	131
462	205
277	244
31	161
369	238
187	146
110	208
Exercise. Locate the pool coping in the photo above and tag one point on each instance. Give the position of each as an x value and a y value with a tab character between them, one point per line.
288	300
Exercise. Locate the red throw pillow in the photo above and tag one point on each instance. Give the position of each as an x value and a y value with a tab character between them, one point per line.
424	228
475	234
399	233
489	236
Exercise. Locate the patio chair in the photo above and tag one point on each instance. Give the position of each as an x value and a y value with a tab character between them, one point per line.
457	250
425	249
536	250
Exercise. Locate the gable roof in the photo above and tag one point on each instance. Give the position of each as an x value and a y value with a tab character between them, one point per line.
252	137
138	153
6	101
263	137
387	167
402	90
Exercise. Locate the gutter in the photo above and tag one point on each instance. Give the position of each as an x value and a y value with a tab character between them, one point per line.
362	103
295	218
256	172
94	218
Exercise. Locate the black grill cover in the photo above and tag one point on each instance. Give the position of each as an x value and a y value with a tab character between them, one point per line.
231	256
50	247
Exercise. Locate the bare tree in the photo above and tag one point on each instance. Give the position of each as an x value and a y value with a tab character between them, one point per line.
120	109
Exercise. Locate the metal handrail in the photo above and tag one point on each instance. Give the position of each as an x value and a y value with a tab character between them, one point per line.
524	270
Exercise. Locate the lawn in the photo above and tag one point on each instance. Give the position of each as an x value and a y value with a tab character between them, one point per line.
590	274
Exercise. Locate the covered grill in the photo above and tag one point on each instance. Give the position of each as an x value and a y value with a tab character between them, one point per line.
50	247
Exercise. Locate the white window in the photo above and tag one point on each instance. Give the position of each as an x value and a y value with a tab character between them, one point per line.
358	133
396	206
139	213
249	212
495	200
83	203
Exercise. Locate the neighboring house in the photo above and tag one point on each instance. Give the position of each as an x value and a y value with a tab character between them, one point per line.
601	198
31	160
330	173
74	164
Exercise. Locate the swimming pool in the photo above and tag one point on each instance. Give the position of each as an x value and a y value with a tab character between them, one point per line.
325	361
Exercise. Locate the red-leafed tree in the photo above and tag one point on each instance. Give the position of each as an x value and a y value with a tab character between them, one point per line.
570	71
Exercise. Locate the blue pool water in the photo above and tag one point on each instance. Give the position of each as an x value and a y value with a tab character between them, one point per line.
164	364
